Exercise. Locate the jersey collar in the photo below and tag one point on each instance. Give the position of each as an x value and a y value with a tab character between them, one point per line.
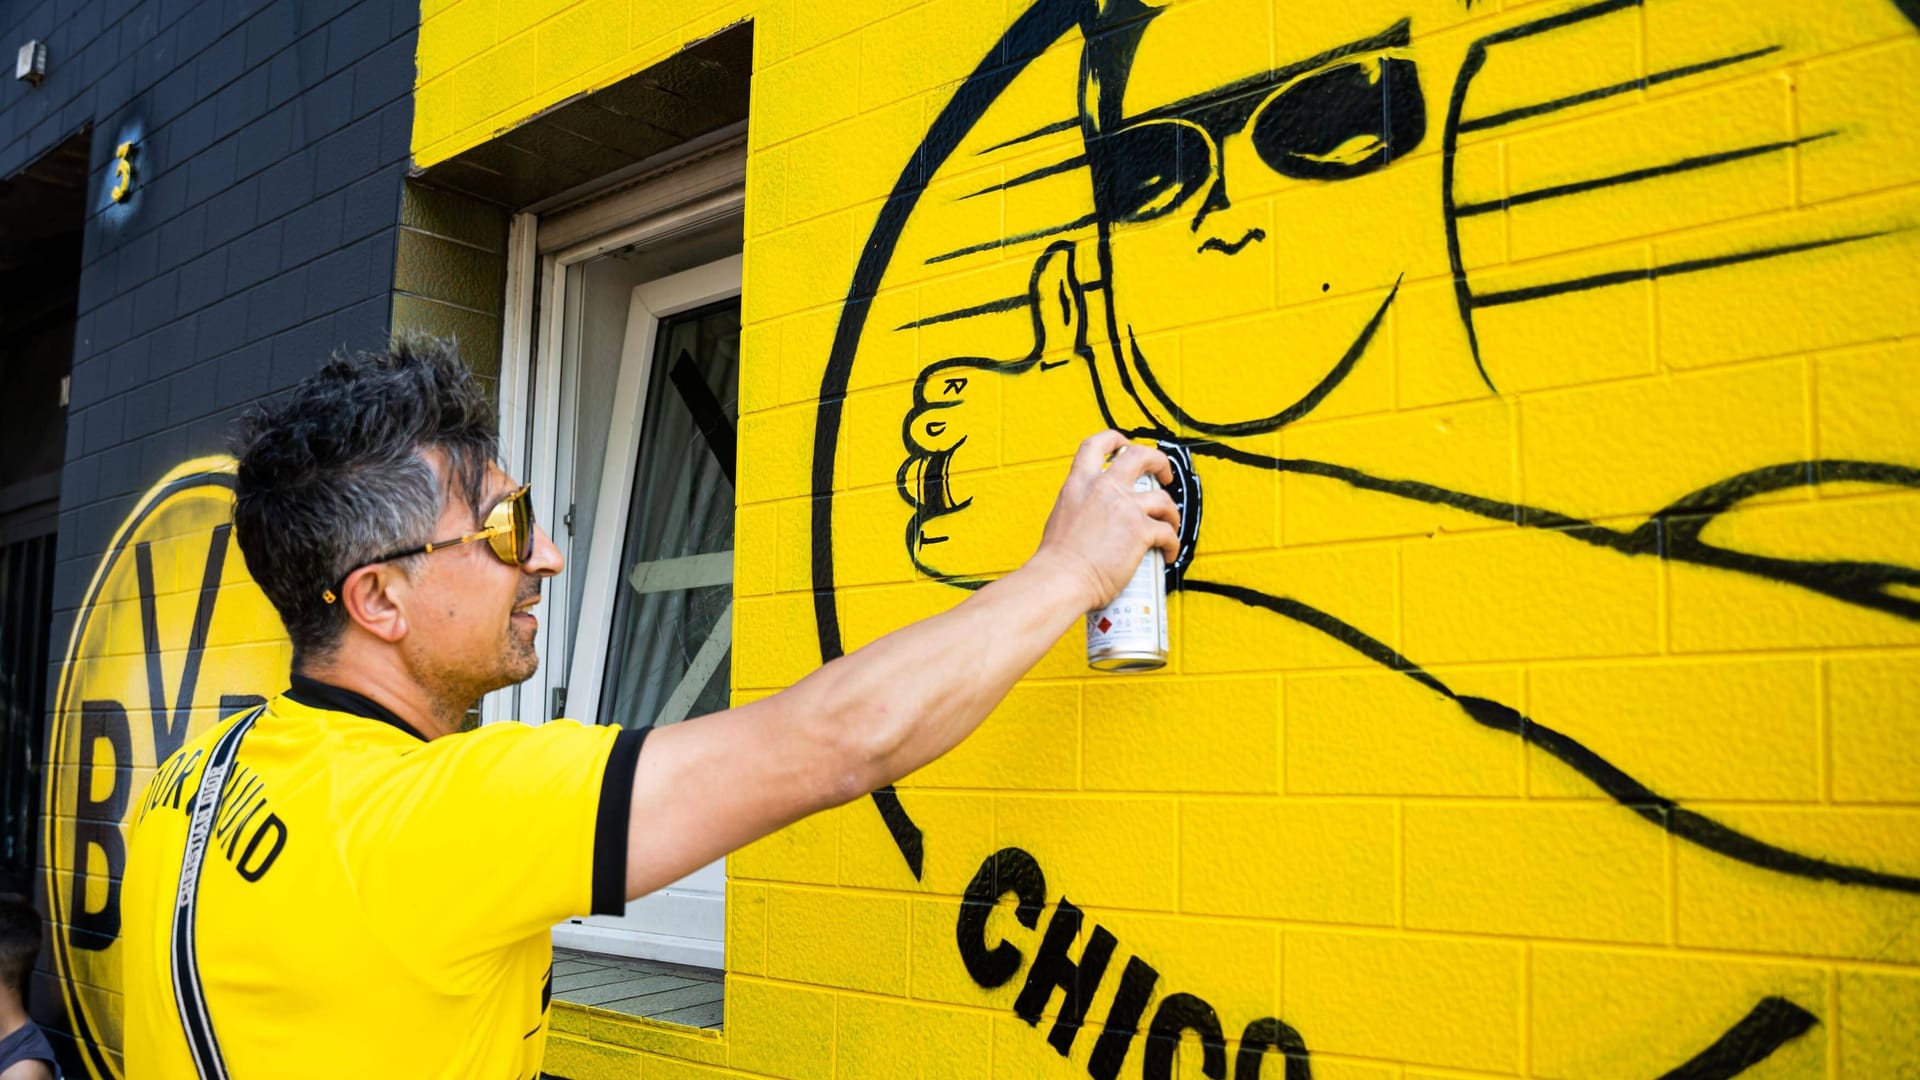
315	694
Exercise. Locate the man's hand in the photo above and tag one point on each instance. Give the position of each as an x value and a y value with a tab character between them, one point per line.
1101	528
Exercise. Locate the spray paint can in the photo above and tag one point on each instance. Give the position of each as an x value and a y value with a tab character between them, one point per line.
1130	634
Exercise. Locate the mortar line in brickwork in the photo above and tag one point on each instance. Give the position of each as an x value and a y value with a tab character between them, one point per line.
1309	799
766	925
1392	1067
1080	733
874	995
1812	360
1663	599
1516	466
1670	867
1837	806
1178	899
847	892
1794	187
1718	803
1526	753
1301	798
1525	1011
1833	1022
1787	216
992	1066
1641	53
1280	734
1823	728
1279	971
1654	365
454	240
1400	864
1551	393
913	918
494	315
1399	642
1795	214
1506	192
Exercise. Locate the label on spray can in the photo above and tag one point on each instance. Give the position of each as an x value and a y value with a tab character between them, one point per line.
1130	634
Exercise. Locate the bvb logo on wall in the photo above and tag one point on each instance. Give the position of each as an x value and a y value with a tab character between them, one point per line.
171	635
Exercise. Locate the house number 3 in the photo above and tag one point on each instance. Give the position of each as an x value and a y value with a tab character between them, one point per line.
122	172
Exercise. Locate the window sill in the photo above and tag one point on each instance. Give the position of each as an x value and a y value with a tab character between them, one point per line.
646	989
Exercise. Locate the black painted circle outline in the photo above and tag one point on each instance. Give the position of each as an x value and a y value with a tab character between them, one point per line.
1039	26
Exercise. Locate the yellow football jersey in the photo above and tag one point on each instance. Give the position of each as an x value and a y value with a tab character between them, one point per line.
358	901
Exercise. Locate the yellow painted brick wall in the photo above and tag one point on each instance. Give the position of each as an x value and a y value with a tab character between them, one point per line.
1545	690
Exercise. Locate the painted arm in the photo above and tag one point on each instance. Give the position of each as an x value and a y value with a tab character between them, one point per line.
710	785
961	397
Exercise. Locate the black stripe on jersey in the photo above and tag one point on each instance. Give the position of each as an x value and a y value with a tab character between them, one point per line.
188	993
315	694
610	824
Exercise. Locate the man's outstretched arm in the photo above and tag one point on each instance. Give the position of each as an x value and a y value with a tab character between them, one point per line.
707	786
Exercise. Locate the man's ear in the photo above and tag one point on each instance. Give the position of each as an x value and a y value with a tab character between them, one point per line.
375	598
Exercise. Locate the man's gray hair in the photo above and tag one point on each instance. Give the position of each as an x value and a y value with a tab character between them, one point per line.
332	475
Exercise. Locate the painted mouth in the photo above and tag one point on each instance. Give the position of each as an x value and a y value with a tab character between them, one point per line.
1306	404
1214	243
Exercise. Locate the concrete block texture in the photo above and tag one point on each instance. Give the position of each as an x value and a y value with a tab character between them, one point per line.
1541	683
1541	691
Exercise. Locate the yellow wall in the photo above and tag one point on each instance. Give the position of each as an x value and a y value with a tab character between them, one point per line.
1544	696
1557	721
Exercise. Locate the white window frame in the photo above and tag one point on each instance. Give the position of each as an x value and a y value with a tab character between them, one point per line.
652	302
675	198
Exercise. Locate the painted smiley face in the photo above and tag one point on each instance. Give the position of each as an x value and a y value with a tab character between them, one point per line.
1206	205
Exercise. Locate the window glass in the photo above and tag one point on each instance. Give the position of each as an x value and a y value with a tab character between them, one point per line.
669	647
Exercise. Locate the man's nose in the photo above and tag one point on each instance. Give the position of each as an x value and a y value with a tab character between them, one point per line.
546	560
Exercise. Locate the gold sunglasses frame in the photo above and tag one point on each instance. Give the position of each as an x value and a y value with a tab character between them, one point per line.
503	527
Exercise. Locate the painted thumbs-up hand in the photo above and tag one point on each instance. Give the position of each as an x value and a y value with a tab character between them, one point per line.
970	525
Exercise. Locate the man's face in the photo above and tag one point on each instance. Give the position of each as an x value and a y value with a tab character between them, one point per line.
470	615
1241	209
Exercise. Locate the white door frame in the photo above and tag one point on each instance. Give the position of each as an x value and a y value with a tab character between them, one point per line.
685	921
535	423
531	419
651	302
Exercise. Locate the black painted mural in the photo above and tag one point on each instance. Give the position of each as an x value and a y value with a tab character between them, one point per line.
1188	198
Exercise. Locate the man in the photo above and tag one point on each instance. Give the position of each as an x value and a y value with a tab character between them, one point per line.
344	882
24	1051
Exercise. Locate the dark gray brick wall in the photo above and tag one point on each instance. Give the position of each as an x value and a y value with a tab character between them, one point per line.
270	148
271	145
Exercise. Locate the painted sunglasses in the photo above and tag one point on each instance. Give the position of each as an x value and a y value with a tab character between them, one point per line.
508	533
1345	119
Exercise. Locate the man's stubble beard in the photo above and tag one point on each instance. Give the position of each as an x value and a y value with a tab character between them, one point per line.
523	660
456	691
